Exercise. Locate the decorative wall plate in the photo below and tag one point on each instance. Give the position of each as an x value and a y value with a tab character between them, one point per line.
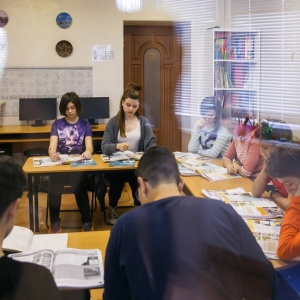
3	18
64	48
64	20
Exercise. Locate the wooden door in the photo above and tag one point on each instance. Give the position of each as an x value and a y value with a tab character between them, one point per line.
152	58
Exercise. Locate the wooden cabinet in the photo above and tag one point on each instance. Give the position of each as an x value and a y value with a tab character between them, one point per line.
237	70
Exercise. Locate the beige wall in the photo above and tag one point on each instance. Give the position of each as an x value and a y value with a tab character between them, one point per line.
32	34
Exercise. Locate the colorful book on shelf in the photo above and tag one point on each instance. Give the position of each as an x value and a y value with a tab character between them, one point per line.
266	233
211	172
245	204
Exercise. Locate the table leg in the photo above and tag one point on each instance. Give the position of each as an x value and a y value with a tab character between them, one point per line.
30	199
36	203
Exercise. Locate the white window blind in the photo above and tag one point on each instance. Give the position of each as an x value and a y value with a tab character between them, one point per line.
193	18
279	24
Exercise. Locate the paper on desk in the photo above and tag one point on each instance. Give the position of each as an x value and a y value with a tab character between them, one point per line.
52	242
22	239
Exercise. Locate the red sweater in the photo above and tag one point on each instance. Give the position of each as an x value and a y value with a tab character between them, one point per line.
247	151
289	239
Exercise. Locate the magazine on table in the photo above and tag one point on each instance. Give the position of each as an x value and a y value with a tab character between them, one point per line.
71	268
122	163
266	233
122	155
191	159
65	159
245	204
212	172
185	171
223	195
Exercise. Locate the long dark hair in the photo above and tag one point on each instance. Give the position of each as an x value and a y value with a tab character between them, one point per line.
133	91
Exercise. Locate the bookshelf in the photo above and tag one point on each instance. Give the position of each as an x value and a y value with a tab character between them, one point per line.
237	70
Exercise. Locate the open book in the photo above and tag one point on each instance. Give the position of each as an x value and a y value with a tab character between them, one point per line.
71	268
266	233
122	155
245	204
186	171
22	239
189	162
65	159
212	172
191	159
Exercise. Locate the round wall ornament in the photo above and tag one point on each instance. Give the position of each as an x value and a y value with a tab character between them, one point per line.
64	48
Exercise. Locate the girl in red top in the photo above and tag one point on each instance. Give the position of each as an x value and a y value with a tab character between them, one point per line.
269	136
283	163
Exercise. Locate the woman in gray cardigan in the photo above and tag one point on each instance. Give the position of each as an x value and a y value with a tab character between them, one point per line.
128	130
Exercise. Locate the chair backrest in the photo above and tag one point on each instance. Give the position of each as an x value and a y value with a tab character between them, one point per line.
36	152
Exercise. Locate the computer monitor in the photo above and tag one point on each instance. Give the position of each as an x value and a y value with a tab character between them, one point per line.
94	108
38	110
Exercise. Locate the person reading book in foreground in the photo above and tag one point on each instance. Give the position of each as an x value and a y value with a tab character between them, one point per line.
182	247
283	163
19	280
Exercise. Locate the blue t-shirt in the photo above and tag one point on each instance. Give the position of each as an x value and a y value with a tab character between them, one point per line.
71	136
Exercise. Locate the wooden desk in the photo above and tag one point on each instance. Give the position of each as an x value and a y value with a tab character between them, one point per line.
90	240
35	172
26	133
193	186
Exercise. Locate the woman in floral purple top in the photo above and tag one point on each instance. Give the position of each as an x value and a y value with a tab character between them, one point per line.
70	135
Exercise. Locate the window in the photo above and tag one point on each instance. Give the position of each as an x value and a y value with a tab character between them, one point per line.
193	19
279	25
